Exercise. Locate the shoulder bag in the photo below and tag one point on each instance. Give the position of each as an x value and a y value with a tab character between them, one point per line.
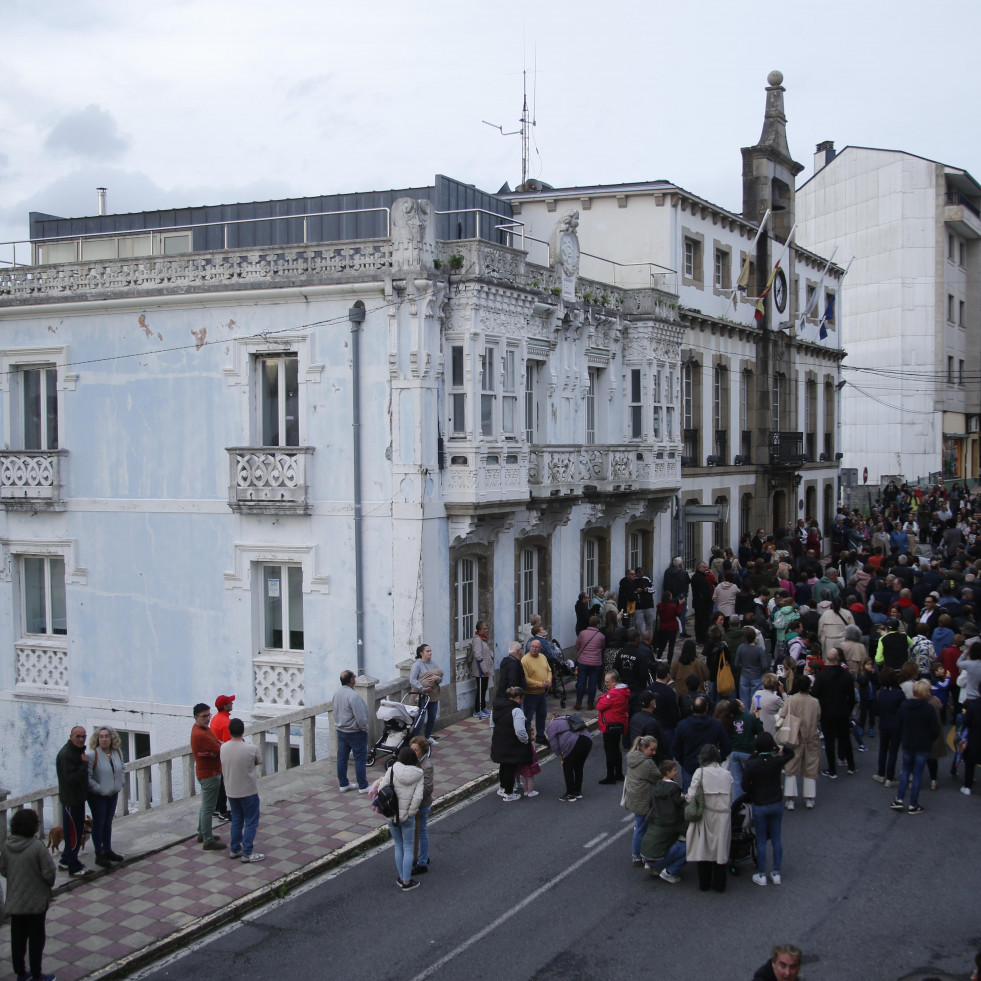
695	808
725	683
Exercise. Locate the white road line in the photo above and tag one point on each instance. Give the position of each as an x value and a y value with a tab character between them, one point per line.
504	917
595	841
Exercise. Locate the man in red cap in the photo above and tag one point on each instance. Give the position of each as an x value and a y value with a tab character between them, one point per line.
219	726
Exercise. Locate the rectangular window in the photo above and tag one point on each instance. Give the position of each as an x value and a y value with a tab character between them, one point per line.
509	400
960	372
279	400
466	599
744	399
962	260
961	309
487	392
950	308
458	398
722	269
669	425
690	247
528	585
950	370
636	408
590	565
687	399
282	607
635	551
39	407
531	402
779	399
951	253
591	406
43	600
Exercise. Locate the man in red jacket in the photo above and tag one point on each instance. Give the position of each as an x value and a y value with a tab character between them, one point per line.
206	750
219	726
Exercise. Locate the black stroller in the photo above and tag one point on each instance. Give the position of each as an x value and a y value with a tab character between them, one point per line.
742	837
400	722
562	671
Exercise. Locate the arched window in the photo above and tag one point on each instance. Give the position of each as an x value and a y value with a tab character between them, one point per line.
466	599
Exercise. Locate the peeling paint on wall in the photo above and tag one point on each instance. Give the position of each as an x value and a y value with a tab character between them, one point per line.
199	337
144	325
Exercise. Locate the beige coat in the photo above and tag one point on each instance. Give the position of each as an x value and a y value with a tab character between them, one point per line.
854	652
806	761
707	840
831	628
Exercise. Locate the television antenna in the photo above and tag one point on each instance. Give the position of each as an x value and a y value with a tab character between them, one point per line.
524	130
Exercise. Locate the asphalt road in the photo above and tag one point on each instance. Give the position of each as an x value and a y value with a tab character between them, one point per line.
539	890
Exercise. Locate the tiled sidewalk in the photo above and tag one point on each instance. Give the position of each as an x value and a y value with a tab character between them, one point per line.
105	926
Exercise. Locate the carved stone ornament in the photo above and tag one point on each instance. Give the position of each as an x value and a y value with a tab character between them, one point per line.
565	254
413	234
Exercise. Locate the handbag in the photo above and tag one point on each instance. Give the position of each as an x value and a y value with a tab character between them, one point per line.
695	808
725	683
789	732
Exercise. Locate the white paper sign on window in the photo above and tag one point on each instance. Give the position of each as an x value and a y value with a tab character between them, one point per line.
273	587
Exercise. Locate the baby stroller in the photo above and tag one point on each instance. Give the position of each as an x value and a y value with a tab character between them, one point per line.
400	722
742	837
562	670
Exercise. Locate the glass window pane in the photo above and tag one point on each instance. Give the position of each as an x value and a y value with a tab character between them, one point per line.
59	616
291	382
272	603
635	385
35	617
51	407
32	409
507	414
295	596
269	383
459	413
487	415
636	422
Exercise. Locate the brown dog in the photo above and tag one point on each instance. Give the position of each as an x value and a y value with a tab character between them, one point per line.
56	836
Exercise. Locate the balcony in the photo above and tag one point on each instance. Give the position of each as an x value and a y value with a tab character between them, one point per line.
786	449
31	480
745	447
484	475
42	668
962	216
268	479
577	468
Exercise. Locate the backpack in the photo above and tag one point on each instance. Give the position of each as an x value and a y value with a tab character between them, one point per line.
576	722
470	654
387	801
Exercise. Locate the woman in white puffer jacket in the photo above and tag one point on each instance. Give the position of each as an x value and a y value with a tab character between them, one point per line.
407	778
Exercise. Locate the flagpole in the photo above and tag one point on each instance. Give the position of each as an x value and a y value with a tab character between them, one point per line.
825	316
817	292
744	271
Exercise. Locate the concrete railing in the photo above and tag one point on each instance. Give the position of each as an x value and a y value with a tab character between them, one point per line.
158	771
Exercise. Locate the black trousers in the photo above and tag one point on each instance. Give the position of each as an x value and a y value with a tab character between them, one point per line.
837	734
507	773
711	875
574	763
480	694
27	934
614	755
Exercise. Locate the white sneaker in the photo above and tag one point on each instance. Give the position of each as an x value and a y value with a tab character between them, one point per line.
501	791
433	741
669	877
809	803
759	878
966	791
789	803
775	878
507	798
531	793
346	788
254	857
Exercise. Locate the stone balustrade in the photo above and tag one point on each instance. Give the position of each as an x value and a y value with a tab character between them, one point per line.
268	480
31	479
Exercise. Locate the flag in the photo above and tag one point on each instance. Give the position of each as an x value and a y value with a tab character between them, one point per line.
761	302
823	332
829	316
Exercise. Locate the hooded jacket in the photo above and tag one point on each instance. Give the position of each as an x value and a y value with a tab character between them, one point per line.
30	874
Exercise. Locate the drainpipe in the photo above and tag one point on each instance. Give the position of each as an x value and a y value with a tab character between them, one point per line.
356	316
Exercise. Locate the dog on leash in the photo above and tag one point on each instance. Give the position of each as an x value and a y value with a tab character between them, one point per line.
56	836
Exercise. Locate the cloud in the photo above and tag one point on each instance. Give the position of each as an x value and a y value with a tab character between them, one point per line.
90	132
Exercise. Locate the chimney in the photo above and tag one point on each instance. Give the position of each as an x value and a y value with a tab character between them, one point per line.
824	153
101	192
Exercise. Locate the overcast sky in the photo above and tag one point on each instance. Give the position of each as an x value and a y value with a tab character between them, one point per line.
188	102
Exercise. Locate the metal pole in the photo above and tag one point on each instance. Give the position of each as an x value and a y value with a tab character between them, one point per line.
356	316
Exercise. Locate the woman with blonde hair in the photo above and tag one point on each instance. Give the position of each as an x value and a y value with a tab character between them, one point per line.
642	774
105	781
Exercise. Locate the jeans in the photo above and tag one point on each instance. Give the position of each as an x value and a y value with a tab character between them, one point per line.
347	743
640	826
103	810
432	710
27	936
747	688
736	761
403	835
73	823
537	706
209	797
674	861
767	819
245	821
422	836
586	680
913	764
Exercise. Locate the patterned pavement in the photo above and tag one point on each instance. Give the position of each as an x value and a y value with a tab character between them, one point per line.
104	926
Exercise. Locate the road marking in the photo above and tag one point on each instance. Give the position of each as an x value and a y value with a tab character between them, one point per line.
595	841
629	817
504	917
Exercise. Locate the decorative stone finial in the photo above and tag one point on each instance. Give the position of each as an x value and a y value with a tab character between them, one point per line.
775	77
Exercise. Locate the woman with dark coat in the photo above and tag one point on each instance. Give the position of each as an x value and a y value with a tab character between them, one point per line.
761	781
888	700
582	613
510	745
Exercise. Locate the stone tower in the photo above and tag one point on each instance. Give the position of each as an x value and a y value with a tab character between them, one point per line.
768	169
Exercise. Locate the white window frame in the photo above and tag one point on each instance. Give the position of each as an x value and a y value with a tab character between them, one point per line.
488	392
533	371
688	396
592	382
690	256
779	398
52	568
13	361
282	421
285	595
635	550
509	393
458	392
527	583
590	563
466	584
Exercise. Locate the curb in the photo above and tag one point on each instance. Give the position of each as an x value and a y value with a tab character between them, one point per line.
279	888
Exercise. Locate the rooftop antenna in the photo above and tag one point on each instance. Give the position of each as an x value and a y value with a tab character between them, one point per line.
525	129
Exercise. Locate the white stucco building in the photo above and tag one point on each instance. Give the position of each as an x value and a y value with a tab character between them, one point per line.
180	515
912	298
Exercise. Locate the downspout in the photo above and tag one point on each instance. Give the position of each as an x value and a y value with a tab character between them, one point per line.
356	316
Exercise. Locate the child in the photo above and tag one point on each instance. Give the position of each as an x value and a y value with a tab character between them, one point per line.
940	687
868	684
527	771
30	874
